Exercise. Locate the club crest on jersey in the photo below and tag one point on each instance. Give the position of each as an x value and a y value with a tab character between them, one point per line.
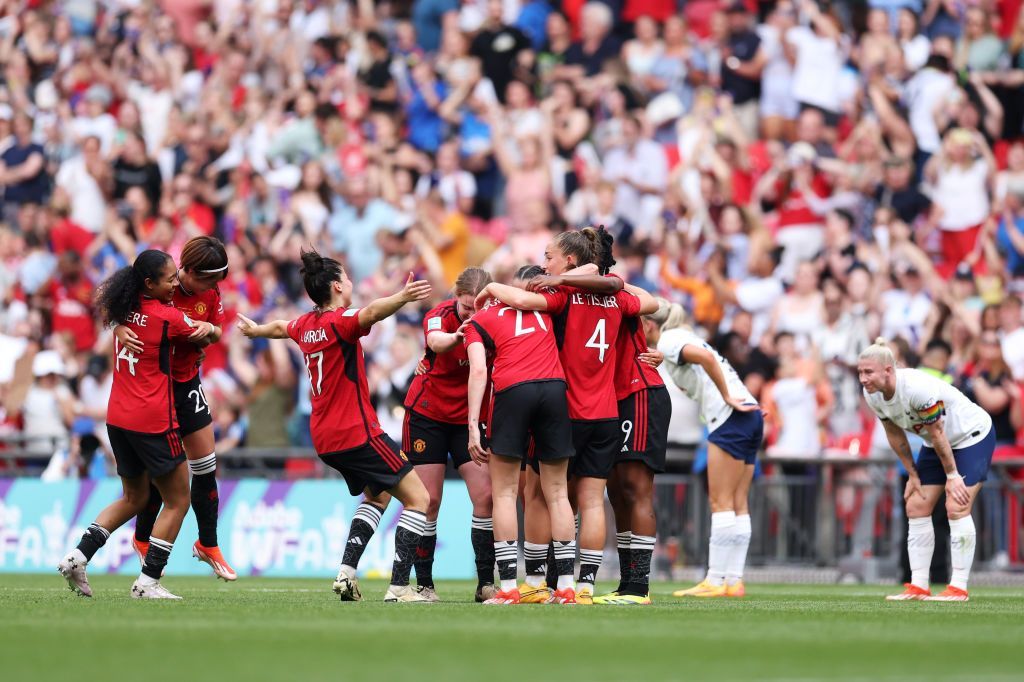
200	308
419	445
314	336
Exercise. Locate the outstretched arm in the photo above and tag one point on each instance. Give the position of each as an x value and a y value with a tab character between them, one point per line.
414	290
593	283
278	329
515	297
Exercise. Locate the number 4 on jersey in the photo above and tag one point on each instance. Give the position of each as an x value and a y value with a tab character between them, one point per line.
597	340
124	354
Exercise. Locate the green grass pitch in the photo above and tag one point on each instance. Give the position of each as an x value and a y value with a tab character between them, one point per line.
275	629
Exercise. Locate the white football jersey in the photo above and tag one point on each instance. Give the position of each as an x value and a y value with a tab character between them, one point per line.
921	399
696	383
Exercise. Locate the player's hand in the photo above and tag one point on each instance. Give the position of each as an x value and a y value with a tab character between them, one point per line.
652	357
740	405
957	491
543	282
421	367
203	329
247	326
415	289
128	338
482	298
460	333
913	486
479	454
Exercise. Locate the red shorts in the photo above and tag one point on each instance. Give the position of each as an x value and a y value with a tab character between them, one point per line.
956	246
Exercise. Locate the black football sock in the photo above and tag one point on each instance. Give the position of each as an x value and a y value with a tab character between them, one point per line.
536	557
147	517
95	536
425	555
364	525
156	558
506	554
408	536
205	501
552	572
565	557
642	549
481	536
622	539
590	562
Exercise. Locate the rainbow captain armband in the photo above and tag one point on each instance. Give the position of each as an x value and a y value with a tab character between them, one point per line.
932	414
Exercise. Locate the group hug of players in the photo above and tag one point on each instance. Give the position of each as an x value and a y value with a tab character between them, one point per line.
544	392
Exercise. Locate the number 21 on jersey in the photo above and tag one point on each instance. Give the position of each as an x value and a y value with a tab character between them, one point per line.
520	330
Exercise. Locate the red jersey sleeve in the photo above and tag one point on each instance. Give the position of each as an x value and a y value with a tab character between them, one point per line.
472	335
347	324
437	321
180	325
628	304
294	328
217	314
557	299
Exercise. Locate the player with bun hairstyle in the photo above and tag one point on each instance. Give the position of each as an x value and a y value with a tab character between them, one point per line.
141	421
586	327
736	430
346	434
436	427
958	444
203	265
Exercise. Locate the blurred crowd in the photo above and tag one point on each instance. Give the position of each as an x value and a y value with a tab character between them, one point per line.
802	176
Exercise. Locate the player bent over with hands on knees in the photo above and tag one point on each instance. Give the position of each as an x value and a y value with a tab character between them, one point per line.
736	428
141	421
204	264
346	434
958	444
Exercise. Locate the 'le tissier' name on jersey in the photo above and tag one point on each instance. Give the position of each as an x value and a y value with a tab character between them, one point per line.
582	298
314	336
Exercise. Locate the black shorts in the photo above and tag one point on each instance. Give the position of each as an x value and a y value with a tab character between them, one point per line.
596	443
191	406
378	465
643	419
427	441
157	454
540	408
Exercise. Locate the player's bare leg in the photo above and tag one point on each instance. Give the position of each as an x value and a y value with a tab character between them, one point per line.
590	503
432	476
920	543
364	525
415	499
116	514
537	540
554	484
741	537
962	536
174	490
202	463
725	475
504	473
481	535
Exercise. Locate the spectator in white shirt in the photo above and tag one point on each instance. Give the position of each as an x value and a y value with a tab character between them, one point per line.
640	169
81	177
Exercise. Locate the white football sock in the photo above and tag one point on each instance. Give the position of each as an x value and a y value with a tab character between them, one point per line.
723	525
920	547
961	540
738	553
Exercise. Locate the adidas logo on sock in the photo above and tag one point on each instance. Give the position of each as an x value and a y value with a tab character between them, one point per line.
355	541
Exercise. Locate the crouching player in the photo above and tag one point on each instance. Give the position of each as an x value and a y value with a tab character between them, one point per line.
346	434
958	444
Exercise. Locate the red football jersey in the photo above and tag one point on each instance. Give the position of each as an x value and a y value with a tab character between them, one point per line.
141	398
342	416
587	326
206	307
631	375
523	344
442	393
72	311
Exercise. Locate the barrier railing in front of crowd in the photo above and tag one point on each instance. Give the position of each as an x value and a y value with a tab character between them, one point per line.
824	510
